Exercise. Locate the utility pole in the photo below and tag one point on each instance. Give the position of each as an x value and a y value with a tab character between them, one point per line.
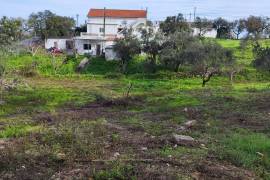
104	31
77	18
104	22
195	9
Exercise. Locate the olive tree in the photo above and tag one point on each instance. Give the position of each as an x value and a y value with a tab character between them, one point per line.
238	27
174	24
223	28
127	47
173	54
262	58
256	26
208	59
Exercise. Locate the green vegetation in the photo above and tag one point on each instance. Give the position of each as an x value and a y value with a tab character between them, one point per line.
83	124
247	149
18	131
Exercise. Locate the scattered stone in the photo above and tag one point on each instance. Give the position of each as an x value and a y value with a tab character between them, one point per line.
196	175
181	128
190	124
144	148
2	102
83	64
186	110
61	156
116	155
203	146
170	156
183	140
260	154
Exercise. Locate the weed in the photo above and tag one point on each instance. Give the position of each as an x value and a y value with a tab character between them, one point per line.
247	149
117	171
18	131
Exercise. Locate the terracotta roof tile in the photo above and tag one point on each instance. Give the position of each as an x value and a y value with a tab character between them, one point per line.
117	13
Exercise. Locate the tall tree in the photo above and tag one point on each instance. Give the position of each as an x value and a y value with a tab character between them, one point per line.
173	24
10	30
151	42
47	24
256	26
238	27
223	28
203	25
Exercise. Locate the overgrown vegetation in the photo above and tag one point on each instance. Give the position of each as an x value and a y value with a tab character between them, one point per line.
118	119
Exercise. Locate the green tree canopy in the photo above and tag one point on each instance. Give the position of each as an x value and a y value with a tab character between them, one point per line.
173	24
47	24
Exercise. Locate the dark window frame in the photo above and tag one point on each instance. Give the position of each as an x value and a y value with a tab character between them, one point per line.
87	46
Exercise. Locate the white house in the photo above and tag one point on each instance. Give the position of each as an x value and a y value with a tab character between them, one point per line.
103	27
210	33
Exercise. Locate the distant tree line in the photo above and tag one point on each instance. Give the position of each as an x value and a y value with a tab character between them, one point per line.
41	24
251	27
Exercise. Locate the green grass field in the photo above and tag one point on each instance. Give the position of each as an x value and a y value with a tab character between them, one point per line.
58	123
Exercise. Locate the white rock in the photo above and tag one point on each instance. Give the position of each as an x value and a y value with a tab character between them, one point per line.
183	140
144	148
190	124
83	64
116	154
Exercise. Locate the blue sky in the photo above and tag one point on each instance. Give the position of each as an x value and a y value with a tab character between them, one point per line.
158	9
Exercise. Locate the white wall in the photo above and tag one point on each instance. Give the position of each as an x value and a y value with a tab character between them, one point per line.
79	45
110	54
49	43
112	24
210	34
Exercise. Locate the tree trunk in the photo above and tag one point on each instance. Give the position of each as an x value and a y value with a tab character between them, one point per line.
177	67
232	76
153	64
206	77
124	67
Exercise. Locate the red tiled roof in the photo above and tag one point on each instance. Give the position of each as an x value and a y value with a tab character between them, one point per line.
117	13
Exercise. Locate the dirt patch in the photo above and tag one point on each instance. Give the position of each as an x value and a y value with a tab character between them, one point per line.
93	111
210	170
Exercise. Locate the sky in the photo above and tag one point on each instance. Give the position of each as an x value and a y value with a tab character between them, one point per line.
157	9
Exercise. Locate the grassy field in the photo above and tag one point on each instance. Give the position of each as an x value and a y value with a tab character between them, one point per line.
59	124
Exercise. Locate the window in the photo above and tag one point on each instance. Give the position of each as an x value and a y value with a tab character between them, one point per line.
119	30
87	46
101	30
